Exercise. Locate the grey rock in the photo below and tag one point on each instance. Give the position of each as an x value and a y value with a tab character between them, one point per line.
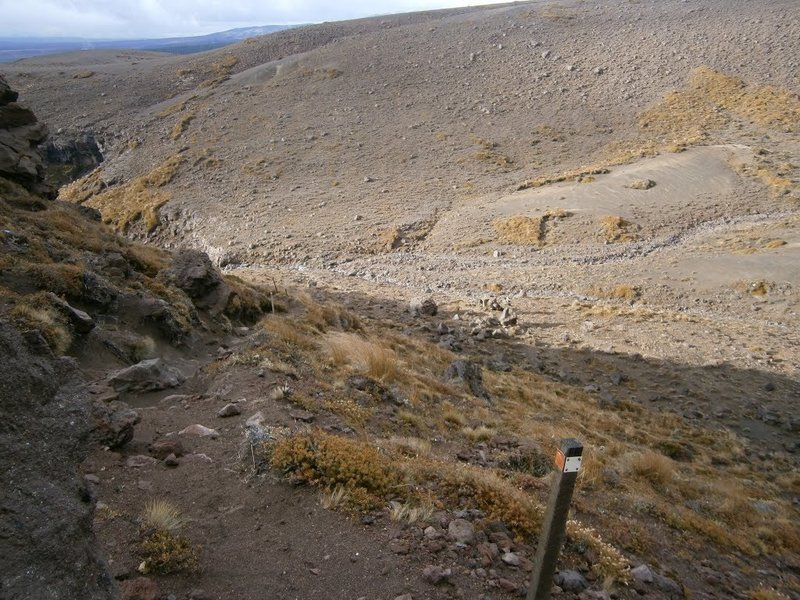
468	374
200	431
571	581
302	415
436	574
511	558
670	588
112	423
461	531
642	574
81	322
423	306
192	271
163	447
146	376
229	410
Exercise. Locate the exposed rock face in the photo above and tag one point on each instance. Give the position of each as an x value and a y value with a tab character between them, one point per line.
47	546
20	134
69	159
193	272
468	374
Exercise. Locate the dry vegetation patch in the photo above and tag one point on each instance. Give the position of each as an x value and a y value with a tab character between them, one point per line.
129	203
614	229
711	99
527	231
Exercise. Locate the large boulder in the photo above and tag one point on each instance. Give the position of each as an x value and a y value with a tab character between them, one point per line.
146	376
47	547
193	272
20	135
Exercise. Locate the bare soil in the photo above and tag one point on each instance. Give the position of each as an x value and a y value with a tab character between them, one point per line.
374	161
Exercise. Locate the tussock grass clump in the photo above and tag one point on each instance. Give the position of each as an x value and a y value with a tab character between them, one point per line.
129	203
38	313
654	467
622	291
61	279
163	550
328	315
370	358
410	513
248	302
163	515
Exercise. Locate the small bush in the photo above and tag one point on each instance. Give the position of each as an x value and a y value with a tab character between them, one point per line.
330	461
165	553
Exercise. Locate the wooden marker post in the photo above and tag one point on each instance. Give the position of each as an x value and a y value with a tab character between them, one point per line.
568	463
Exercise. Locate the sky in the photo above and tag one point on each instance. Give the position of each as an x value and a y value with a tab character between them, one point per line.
167	18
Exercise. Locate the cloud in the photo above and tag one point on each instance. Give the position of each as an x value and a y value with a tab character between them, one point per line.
161	18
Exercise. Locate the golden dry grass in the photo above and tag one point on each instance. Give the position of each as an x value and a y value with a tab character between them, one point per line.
653	467
615	229
488	152
370	358
36	312
689	116
181	125
711	99
161	514
527	231
129	203
519	229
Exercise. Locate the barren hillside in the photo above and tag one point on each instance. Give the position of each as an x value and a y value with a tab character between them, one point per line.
603	201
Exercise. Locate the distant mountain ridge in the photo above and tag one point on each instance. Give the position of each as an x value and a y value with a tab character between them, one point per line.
12	48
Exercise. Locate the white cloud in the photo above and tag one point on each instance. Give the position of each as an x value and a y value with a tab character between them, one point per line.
160	18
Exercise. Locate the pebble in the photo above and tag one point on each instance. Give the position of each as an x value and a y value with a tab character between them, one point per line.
139	461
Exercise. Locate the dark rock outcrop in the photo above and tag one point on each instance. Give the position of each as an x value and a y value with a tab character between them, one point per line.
69	159
467	374
47	546
193	272
20	135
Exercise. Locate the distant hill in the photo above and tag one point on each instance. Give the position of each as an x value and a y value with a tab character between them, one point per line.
15	48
